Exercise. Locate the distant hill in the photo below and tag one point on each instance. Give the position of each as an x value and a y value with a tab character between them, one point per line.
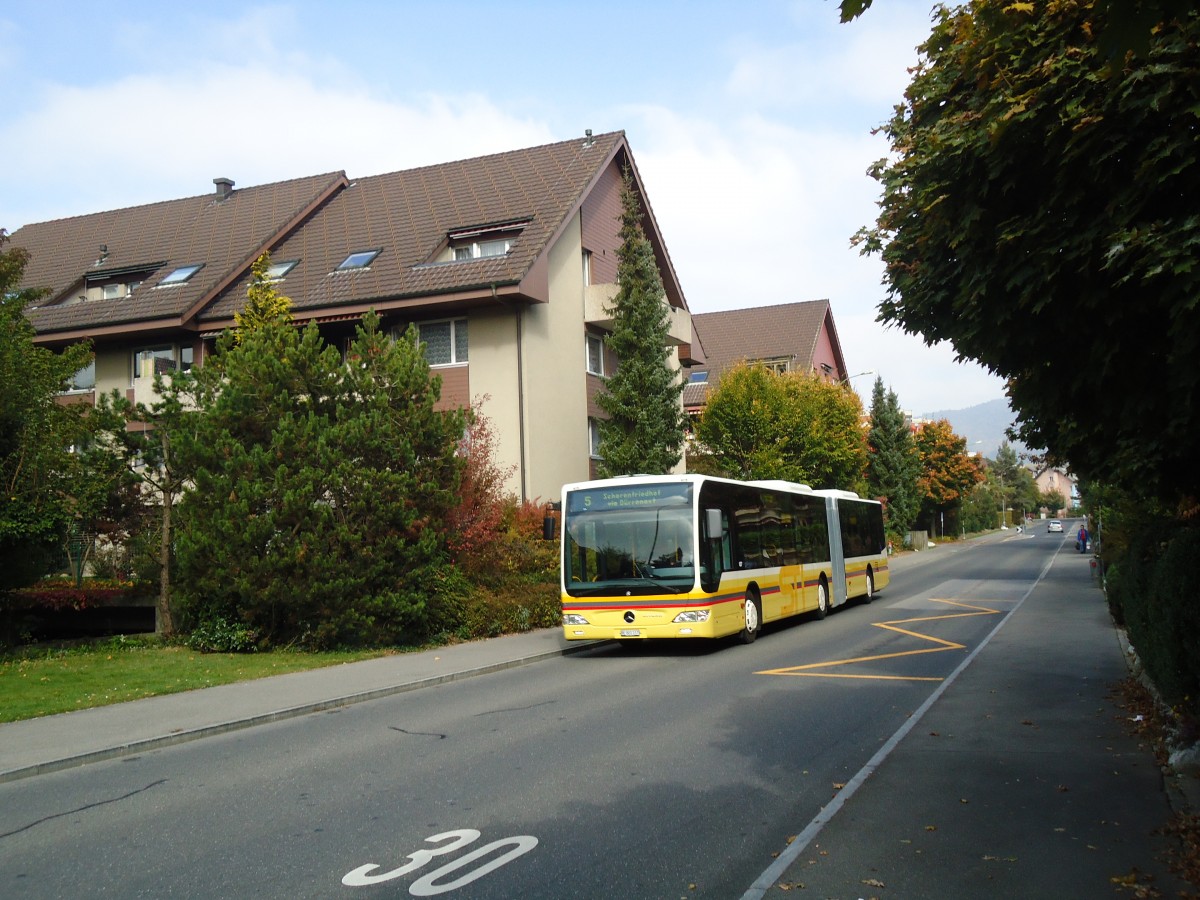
983	426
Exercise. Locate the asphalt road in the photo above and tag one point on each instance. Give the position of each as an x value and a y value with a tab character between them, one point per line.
668	771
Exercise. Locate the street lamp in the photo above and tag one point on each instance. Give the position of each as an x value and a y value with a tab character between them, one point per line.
846	380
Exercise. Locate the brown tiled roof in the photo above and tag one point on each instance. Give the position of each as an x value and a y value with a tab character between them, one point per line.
409	214
759	333
223	234
319	221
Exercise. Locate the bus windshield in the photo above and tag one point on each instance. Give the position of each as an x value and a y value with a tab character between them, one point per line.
636	540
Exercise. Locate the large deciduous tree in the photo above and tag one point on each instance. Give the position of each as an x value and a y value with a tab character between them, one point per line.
645	428
893	466
794	426
1039	213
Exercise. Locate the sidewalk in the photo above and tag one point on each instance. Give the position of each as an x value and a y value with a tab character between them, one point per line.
1022	779
35	746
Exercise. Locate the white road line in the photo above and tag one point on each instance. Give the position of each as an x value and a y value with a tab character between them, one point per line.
775	871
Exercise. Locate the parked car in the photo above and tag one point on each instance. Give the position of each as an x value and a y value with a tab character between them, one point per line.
1054	525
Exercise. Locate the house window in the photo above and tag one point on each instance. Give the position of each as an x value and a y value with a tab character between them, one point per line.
180	275
778	364
445	342
149	361
482	249
698	378
84	379
587	267
594	438
595	355
360	259
112	291
278	271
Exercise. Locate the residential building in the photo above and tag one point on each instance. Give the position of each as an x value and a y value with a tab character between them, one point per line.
505	263
1061	482
788	337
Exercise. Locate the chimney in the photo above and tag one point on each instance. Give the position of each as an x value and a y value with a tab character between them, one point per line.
224	187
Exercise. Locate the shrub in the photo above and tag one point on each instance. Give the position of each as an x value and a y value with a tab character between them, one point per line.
61	593
221	635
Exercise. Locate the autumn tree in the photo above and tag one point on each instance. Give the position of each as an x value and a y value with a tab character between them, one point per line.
645	428
795	426
893	466
1039	197
947	473
474	521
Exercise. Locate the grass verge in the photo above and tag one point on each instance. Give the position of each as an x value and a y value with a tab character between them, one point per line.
42	681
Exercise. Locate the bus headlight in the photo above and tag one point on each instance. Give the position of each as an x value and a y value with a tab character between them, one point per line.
692	615
573	619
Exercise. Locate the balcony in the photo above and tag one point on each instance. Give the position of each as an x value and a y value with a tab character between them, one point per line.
598	297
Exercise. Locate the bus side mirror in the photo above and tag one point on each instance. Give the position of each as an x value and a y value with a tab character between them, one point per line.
548	520
712	524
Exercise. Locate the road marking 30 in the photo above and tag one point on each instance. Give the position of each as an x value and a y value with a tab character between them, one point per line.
810	670
428	884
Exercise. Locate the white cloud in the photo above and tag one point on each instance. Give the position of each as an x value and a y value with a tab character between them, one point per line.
146	138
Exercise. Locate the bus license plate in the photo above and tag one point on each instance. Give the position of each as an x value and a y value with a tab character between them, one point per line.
630	632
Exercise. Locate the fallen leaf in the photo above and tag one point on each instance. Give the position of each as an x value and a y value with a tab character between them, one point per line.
792	837
873	882
1062	789
931	828
838	785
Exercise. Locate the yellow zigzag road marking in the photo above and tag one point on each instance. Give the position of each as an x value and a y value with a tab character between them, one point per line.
806	670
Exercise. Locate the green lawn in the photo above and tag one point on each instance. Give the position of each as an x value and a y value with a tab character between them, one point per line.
43	681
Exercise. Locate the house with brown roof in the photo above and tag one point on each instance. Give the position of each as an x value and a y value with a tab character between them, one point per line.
788	337
505	263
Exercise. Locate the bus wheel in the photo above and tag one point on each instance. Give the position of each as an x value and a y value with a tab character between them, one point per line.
822	600
870	587
753	619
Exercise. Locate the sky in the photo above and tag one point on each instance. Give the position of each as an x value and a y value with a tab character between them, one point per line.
751	124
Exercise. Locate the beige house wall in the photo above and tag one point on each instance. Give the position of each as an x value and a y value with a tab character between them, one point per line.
493	349
555	366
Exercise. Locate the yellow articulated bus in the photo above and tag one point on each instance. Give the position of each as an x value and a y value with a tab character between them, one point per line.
694	556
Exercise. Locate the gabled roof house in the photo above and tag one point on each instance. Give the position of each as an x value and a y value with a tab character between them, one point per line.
505	263
787	337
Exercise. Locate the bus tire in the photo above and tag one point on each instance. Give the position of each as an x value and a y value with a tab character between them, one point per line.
753	614
822	609
870	595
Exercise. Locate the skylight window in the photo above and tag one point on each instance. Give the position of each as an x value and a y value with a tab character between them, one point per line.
278	271
358	260
180	275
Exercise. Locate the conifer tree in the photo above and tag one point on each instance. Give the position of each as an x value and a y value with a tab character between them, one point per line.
893	466
320	488
39	476
645	428
264	303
